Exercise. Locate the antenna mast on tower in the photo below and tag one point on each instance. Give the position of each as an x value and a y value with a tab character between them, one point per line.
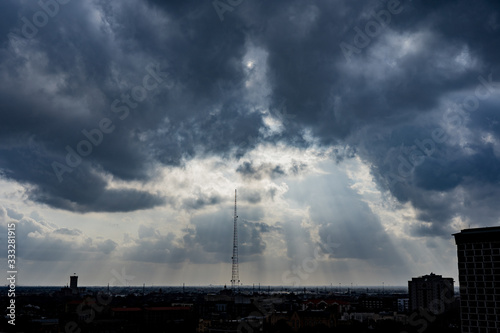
235	277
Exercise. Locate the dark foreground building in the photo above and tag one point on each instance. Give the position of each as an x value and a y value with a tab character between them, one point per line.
479	276
430	292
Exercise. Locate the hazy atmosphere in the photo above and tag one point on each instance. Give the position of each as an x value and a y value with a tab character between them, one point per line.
359	134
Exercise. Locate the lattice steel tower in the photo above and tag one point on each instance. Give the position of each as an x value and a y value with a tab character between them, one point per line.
235	277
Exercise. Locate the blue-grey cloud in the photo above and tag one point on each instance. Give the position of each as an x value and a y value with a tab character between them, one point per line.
86	64
44	241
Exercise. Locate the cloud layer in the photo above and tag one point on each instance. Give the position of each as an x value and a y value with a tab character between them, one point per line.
107	107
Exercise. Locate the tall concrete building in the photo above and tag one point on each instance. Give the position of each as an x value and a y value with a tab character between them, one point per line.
479	276
432	292
73	284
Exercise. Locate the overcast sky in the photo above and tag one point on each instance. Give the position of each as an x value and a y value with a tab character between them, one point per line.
360	135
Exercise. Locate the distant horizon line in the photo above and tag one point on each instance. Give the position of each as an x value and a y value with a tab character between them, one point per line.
262	286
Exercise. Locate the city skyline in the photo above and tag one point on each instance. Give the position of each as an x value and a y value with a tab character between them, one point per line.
360	137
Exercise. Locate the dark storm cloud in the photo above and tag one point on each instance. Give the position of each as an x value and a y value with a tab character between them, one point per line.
375	102
455	177
38	123
249	171
91	55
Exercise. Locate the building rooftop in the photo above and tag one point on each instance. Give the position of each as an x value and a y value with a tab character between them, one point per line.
487	234
431	276
479	230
